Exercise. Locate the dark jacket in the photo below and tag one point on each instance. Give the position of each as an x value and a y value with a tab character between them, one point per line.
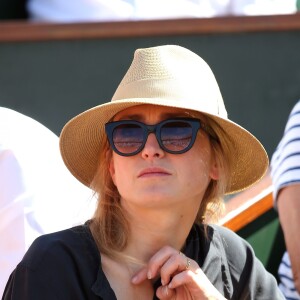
67	266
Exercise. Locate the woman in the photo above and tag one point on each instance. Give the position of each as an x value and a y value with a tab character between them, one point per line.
160	155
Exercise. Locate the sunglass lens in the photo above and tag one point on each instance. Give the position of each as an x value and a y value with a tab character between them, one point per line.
128	138
176	136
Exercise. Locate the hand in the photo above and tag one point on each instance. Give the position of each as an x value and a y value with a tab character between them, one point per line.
181	277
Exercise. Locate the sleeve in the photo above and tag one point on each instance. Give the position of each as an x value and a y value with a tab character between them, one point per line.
57	266
40	273
249	279
48	271
285	162
26	284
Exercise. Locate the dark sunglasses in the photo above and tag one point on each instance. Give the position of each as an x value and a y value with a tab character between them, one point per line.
174	136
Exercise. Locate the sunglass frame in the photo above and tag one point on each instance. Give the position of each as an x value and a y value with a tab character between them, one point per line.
195	124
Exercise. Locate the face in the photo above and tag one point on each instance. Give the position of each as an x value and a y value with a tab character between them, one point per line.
155	178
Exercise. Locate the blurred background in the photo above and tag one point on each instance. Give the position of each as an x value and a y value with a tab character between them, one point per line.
60	57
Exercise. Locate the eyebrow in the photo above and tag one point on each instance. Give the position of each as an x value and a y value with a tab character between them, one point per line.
163	116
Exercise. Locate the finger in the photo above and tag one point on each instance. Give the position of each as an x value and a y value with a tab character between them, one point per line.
192	279
140	276
166	262
159	259
165	293
154	265
176	264
186	277
197	284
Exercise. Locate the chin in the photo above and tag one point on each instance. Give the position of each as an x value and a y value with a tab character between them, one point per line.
158	199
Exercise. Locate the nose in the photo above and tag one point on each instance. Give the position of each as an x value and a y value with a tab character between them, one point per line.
152	148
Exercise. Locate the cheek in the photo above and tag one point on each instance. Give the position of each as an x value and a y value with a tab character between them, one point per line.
203	166
117	169
114	168
201	170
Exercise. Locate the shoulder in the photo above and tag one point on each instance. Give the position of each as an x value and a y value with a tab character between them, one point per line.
291	132
236	253
285	167
70	245
227	245
232	243
61	265
248	276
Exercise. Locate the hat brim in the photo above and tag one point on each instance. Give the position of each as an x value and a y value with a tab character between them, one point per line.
82	136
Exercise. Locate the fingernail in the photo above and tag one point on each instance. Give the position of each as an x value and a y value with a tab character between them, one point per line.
149	275
162	282
170	285
166	290
134	279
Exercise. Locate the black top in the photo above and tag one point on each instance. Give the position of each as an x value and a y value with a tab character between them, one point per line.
67	266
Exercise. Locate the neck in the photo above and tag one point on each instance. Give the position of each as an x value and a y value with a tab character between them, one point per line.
152	229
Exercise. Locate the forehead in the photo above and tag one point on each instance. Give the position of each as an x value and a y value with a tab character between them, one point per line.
141	112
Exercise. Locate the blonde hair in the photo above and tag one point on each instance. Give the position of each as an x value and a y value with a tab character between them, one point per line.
212	204
110	225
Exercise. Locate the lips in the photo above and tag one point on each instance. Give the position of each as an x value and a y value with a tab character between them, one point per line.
153	171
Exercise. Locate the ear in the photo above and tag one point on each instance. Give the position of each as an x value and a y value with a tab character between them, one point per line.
214	171
112	170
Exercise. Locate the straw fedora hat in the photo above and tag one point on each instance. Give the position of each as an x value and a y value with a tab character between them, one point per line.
171	76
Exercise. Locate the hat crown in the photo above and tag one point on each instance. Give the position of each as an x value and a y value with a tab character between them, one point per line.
172	73
170	76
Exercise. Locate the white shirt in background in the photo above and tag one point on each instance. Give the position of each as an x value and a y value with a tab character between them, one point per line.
132	10
38	195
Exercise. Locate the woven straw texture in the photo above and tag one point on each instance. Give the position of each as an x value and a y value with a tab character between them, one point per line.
170	76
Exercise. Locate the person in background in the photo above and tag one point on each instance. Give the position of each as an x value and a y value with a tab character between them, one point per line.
134	10
37	193
160	157
285	173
